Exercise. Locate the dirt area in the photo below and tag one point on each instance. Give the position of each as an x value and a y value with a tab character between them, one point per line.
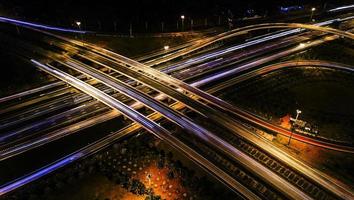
95	187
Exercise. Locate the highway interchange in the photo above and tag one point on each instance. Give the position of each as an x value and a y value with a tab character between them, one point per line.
125	85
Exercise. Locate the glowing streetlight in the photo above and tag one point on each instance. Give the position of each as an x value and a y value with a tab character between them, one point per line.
312	10
78	23
166	47
182	17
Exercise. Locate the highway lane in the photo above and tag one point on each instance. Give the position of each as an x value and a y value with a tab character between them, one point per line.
51	122
148	124
244	55
45	108
42	109
155	56
14	105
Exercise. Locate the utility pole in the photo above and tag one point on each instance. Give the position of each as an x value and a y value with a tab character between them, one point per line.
131	30
182	17
82	37
298	112
312	10
115	26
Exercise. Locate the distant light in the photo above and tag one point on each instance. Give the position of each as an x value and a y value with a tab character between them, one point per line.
313	9
78	23
166	47
182	16
302	45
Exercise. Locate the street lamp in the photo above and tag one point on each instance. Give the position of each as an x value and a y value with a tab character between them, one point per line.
182	17
78	23
166	47
298	112
312	10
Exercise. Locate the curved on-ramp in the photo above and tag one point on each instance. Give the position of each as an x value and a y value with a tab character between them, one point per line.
321	142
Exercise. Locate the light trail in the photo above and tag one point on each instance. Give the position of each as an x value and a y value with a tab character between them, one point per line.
23	23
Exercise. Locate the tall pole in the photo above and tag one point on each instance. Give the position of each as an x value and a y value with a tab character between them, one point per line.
292	128
291	135
131	30
182	17
82	37
312	10
115	26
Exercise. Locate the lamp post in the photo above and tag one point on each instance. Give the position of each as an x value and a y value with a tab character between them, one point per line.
182	18
298	112
78	23
312	10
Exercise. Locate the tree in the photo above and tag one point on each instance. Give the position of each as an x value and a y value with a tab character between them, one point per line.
170	175
161	163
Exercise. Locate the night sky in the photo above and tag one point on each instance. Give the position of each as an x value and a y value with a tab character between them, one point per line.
64	12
